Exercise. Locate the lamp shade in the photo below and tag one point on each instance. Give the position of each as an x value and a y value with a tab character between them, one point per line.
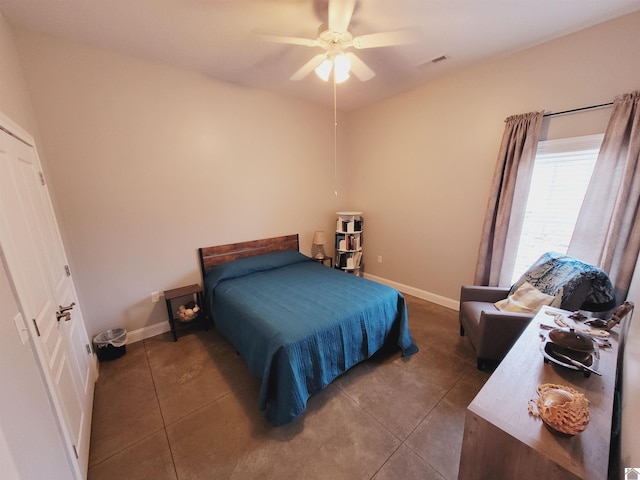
341	68
324	69
339	64
319	238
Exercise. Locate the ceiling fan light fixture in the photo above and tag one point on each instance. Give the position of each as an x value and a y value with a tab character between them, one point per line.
324	69
342	77
342	66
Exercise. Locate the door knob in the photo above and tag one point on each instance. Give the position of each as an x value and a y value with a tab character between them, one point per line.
65	315
67	308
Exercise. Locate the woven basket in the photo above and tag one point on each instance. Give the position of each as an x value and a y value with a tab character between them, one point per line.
563	408
187	313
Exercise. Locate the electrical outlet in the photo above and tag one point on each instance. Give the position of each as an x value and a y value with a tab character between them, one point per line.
155	297
379	258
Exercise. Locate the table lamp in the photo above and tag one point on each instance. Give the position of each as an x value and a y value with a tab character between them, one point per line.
317	250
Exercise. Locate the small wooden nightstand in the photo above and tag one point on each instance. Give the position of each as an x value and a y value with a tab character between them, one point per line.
324	261
195	292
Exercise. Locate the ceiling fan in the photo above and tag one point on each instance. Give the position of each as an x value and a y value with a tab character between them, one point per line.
334	39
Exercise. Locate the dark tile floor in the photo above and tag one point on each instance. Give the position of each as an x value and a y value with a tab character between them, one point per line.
188	410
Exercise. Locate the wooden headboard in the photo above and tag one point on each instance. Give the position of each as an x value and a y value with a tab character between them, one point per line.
213	256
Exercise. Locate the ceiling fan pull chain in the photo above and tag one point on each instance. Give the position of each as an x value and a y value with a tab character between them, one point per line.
335	138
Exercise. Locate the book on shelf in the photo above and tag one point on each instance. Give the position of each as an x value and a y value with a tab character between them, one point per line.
357	258
343	225
349	260
346	241
349	226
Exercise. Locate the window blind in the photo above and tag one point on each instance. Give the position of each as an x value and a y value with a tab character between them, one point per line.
560	177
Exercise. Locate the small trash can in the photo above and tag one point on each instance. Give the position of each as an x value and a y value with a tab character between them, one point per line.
111	344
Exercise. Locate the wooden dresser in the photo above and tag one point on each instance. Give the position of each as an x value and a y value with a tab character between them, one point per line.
503	441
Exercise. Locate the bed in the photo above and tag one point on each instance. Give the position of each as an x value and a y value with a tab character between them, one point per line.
297	323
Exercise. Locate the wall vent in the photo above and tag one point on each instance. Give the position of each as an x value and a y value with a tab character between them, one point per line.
433	61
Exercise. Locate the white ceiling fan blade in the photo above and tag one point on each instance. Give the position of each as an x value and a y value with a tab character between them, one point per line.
307	42
340	12
359	68
385	39
308	67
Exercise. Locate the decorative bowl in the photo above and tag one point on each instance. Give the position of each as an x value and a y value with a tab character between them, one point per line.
563	408
572	340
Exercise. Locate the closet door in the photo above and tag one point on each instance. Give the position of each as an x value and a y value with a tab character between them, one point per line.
34	253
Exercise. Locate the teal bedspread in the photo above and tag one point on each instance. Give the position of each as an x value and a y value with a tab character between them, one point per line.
299	324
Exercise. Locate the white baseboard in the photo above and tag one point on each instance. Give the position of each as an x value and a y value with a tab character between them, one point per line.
416	292
158	328
147	332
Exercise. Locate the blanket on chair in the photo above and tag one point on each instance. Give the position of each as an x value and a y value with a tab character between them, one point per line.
559	275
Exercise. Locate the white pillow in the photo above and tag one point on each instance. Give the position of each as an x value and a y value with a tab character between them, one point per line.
526	299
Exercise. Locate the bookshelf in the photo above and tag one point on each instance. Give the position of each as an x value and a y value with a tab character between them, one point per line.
348	245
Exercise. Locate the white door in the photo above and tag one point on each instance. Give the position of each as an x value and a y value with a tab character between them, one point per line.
33	250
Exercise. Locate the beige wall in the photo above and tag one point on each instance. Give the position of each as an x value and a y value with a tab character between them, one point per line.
151	162
422	162
30	444
15	101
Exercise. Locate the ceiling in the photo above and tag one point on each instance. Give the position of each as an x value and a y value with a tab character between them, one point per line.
218	37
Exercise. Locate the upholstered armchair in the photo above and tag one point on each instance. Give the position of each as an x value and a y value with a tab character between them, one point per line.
568	283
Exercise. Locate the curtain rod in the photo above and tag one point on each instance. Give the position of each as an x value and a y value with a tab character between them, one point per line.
578	109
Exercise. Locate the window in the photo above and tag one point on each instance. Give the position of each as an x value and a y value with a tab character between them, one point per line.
560	177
